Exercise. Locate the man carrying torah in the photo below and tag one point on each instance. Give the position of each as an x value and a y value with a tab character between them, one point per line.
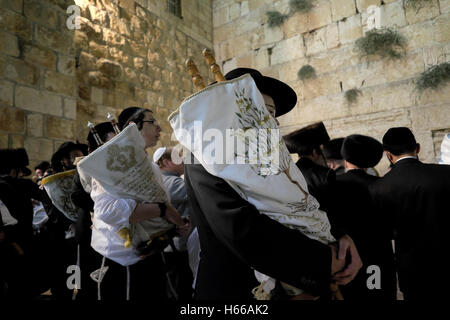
131	210
249	214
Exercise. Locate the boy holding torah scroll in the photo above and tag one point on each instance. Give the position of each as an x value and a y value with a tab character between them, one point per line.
131	210
249	214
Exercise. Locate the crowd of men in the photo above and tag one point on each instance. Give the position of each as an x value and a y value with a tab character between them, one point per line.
221	237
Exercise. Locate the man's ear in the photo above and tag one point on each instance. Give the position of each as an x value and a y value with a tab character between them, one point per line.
166	163
418	148
389	156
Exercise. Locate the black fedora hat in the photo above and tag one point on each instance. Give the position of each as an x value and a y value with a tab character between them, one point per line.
362	151
64	151
332	149
15	159
283	95
309	137
102	129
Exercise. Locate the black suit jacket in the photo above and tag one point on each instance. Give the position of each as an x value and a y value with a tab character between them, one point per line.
415	196
367	227
235	237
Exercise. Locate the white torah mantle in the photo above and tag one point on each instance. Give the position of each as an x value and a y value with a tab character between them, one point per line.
228	129
59	188
123	169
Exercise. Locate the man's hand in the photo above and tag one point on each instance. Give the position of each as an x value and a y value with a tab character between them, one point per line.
336	264
349	253
173	216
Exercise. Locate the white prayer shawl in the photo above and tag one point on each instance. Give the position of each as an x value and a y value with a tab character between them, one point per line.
123	170
274	185
59	189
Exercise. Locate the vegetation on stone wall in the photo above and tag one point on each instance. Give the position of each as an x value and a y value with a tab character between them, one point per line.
300	5
306	72
385	43
434	77
352	95
276	19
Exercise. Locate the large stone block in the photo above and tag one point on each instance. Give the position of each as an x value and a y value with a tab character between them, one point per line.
4	141
221	16
59	128
296	24
392	15
16	24
12	120
99	16
38	148
127	4
10	45
271	35
98	50
120	56
38	101
35	11
419	35
113	38
342	9
109	68
98	79
58	41
6	93
70	108
40	55
66	65
286	50
350	29
431	117
15	5
320	15
18	70
60	83
444	5
442	28
316	41
16	141
35	125
362	5
332	36
425	11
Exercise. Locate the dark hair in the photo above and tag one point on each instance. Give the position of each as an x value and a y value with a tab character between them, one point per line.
103	129
134	114
399	150
44	165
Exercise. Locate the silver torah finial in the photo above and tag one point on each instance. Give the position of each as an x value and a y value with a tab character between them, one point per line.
97	138
113	122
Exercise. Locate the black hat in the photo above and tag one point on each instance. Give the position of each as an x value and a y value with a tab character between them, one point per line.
332	149
362	151
44	165
309	137
283	95
399	140
15	159
22	161
64	151
102	129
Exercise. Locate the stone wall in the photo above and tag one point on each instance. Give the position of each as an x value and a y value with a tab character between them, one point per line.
325	38
53	80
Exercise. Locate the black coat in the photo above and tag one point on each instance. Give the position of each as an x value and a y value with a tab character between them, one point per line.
235	237
367	227
414	196
317	178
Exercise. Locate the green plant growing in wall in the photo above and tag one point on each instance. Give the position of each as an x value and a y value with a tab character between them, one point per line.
385	43
276	18
306	72
434	77
352	95
300	5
